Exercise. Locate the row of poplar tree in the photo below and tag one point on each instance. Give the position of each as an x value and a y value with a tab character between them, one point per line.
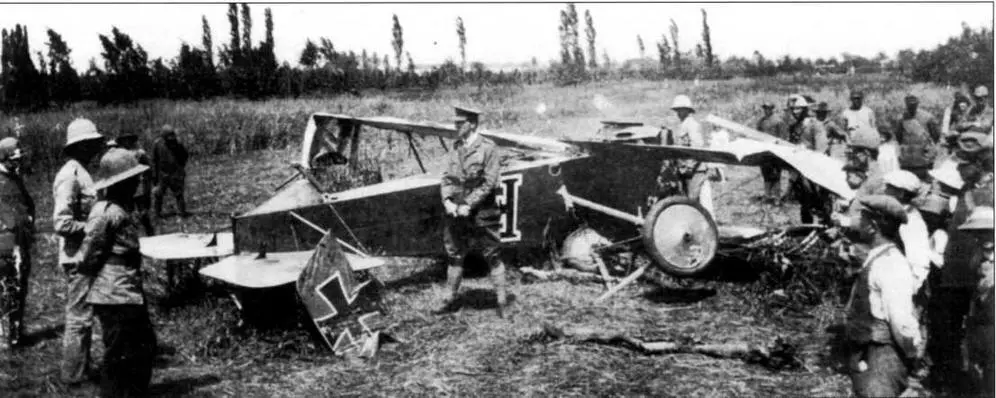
250	70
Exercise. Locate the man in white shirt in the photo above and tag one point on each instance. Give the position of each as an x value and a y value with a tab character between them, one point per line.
858	116
882	329
904	186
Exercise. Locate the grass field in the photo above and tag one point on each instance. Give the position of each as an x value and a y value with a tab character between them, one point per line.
472	352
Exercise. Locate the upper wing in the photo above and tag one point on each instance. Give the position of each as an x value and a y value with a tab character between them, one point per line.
817	167
329	136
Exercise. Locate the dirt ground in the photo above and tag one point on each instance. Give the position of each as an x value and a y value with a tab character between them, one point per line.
468	353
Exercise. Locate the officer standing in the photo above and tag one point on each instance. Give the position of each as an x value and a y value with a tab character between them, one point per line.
169	163
73	195
882	330
693	173
472	217
771	173
17	213
111	258
805	131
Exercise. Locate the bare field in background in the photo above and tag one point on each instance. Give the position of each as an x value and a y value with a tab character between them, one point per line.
241	151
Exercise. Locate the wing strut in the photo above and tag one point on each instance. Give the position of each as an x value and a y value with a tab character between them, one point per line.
411	144
325	232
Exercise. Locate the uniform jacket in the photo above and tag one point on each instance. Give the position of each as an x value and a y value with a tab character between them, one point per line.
168	161
809	133
73	195
111	255
773	125
880	309
17	211
919	129
689	134
959	271
472	177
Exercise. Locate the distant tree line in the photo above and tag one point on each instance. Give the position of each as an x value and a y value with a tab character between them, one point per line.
250	70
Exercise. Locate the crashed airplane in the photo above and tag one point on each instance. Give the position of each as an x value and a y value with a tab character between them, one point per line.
326	241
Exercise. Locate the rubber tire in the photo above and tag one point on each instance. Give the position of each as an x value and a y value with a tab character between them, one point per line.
655	253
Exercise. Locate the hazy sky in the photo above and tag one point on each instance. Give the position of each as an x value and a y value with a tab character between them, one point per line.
505	33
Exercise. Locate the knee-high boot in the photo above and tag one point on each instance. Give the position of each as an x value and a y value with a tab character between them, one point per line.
454	275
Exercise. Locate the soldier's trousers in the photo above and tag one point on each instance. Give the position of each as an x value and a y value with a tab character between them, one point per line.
174	184
9	305
461	235
78	335
772	176
129	351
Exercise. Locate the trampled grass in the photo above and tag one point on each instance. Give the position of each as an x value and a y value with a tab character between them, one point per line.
471	352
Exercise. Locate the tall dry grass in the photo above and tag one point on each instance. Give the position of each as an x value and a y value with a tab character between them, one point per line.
225	126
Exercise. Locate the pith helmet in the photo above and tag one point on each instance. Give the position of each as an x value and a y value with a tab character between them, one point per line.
9	149
981	91
947	174
866	138
80	130
981	218
117	165
465	114
799	101
904	180
682	102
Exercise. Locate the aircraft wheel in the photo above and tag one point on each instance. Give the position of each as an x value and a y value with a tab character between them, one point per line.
680	236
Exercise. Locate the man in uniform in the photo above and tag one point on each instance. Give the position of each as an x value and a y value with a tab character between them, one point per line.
882	330
143	195
836	136
814	205
472	217
917	132
693	173
169	162
73	195
772	174
958	277
863	154
858	116
979	117
17	213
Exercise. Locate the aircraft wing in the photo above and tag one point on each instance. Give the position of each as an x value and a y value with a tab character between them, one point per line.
184	246
276	269
817	167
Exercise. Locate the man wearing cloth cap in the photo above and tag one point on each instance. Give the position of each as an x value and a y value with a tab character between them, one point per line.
905	186
917	132
472	217
882	330
17	213
169	162
73	196
111	258
772	174
980	324
858	116
958	277
836	136
863	156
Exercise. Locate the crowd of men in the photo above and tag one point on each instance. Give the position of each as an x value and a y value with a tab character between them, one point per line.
920	231
101	197
920	228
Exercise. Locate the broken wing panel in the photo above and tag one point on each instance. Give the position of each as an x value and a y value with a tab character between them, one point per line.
183	246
